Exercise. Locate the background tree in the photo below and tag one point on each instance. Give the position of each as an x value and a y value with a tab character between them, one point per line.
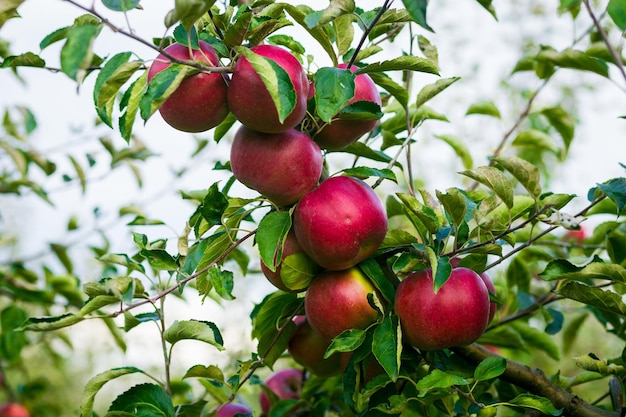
557	260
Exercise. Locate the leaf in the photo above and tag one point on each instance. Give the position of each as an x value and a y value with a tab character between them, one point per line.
144	400
80	173
615	189
595	297
120	5
426	214
334	88
276	81
431	90
439	379
362	150
299	14
188	12
617	11
395	89
454	203
417	10
203	331
403	63
490	368
27	59
210	372
535	138
97	382
160	259
533	401
270	236
367	172
113	75
8	10
336	9
562	122
561	269
222	282
487	4
213	205
487	108
495	180
387	346
459	148
526	173
347	341
537	339
130	101
161	86
76	54
573	59
375	273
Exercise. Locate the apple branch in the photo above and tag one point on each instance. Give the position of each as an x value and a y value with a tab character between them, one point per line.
536	382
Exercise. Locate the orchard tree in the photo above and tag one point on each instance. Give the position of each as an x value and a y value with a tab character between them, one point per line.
391	298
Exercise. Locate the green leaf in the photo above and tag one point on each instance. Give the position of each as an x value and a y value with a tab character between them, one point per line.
396	90
344	34
27	59
431	90
615	189
533	401
487	4
454	203
347	341
113	75
97	382
76	54
336	9
144	400
425	213
297	271
299	14
562	122
573	59
495	180
537	339
213	205
80	173
387	346
403	63
534	138
375	273
490	368
417	10
487	108
120	5
130	101
361	110
439	379
617	11
442	271
362	150
270	236
334	87
160	259
210	372
276	81
592	296
203	331
236	33
561	269
367	172
188	12
526	173
222	281
8	10
161	86
459	148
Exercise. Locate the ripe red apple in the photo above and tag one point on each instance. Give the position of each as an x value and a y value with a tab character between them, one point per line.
286	384
340	223
488	283
13	410
281	166
301	275
338	134
307	347
232	410
337	301
456	315
199	103
249	99
578	236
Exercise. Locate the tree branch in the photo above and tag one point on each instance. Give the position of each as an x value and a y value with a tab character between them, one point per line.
536	382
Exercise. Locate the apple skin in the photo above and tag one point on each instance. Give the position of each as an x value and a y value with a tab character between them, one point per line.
457	315
250	101
337	301
488	283
291	247
13	410
286	384
340	223
232	409
199	103
307	347
281	166
338	134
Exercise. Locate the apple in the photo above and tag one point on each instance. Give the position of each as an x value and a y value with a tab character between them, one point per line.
340	223
199	103
281	166
337	301
576	235
307	347
13	410
232	410
457	315
294	274
488	283
249	99
338	134
286	384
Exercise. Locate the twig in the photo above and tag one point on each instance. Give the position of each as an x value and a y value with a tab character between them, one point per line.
368	29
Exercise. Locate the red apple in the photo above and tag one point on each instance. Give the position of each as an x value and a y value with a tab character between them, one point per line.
13	410
286	384
338	134
488	283
281	166
307	347
340	223
249	99
456	315
337	301
578	236
232	410
294	274
199	103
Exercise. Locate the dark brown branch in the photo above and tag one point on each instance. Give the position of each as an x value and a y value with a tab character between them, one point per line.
536	382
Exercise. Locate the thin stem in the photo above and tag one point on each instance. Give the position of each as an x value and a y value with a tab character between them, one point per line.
167	355
368	29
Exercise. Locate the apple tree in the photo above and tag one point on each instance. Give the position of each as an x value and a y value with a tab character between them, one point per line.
389	297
